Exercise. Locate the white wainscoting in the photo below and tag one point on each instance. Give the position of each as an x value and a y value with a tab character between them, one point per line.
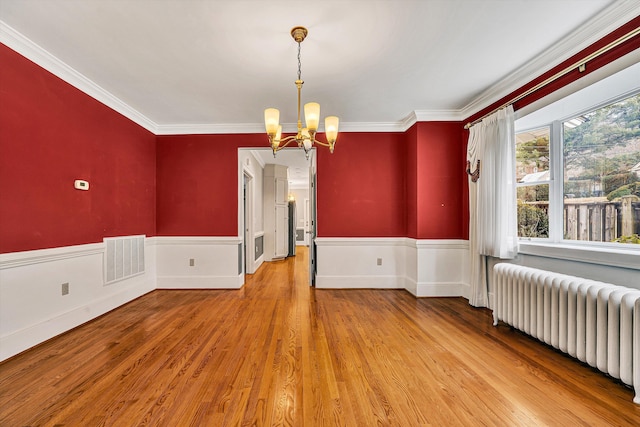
440	268
215	263
32	307
347	263
422	267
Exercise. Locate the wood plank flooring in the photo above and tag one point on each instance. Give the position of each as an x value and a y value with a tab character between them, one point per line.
277	352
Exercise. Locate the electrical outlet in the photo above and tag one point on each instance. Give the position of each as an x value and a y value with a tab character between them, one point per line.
192	262
379	261
65	289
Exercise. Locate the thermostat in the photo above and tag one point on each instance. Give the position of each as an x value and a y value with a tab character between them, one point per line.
81	185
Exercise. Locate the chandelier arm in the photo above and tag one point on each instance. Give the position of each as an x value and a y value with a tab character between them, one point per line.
288	139
281	145
324	144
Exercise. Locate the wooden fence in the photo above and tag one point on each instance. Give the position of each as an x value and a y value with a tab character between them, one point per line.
601	221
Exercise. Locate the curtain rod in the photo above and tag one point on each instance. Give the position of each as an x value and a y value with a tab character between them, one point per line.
581	65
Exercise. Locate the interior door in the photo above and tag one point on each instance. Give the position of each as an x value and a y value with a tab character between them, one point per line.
312	221
306	221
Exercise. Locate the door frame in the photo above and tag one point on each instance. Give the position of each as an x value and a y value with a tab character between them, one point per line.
247	221
313	217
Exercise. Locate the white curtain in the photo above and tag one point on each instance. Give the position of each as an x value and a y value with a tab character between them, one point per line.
492	199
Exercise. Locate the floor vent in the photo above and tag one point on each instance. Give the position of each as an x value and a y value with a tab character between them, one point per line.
124	258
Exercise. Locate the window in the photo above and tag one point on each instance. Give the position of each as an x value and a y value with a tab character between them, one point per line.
601	157
533	177
578	178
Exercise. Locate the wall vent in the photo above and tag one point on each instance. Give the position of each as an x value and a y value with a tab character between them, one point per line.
124	258
259	242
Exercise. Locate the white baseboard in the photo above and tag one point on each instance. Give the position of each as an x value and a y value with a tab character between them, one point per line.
439	290
200	282
359	282
258	263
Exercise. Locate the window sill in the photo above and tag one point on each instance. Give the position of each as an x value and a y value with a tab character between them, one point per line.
593	254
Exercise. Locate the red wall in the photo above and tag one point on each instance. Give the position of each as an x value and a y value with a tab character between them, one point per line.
197	178
441	211
51	134
375	184
411	173
361	186
437	197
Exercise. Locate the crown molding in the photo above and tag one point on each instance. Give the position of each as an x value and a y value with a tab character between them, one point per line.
372	127
287	128
209	128
610	19
35	53
439	115
409	121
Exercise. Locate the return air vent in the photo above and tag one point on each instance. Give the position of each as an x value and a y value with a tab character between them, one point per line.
124	258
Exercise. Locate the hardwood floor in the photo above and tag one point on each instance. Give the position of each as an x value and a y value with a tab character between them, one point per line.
277	352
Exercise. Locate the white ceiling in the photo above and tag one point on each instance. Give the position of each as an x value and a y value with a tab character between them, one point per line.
214	65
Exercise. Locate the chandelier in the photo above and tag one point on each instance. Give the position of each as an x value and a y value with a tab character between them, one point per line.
305	137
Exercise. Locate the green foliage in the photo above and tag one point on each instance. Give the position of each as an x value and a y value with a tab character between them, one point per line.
597	165
535	152
533	193
580	188
625	190
597	148
634	239
611	182
598	153
532	221
605	127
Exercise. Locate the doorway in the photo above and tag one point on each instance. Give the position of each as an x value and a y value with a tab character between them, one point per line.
251	205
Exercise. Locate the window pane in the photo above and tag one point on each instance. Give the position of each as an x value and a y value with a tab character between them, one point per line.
602	174
533	211
532	156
